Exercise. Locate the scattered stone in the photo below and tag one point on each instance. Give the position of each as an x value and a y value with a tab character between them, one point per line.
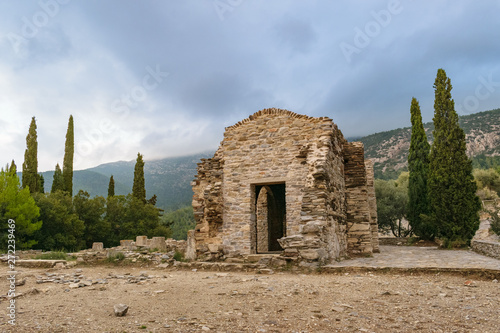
205	328
20	282
74	285
470	283
120	310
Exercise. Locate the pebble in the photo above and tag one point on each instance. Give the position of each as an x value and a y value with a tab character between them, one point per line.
120	310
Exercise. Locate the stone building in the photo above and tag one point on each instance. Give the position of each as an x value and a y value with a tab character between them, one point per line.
286	183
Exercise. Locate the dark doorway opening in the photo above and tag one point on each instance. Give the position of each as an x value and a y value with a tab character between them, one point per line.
270	212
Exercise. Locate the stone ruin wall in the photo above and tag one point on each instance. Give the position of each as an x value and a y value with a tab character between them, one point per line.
362	229
307	154
207	204
372	203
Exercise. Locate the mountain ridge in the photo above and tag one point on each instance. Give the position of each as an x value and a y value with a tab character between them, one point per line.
170	178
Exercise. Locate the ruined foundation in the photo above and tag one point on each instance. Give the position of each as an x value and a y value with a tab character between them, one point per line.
285	183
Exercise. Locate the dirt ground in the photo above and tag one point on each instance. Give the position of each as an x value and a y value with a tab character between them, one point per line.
167	300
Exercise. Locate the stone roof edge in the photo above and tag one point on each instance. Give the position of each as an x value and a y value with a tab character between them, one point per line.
275	111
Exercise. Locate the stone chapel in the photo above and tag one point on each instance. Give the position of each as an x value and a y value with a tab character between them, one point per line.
286	183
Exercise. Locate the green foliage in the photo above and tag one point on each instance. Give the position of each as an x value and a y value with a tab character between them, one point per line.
91	212
454	205
179	256
486	162
495	220
139	187
62	229
58	180
180	221
392	205
418	166
30	165
12	169
54	255
42	183
489	178
16	203
129	217
69	151
111	187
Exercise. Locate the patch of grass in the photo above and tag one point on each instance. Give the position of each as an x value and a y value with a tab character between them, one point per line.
179	256
143	327
118	256
56	255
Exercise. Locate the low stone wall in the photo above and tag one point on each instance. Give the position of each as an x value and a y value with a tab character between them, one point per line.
393	241
490	249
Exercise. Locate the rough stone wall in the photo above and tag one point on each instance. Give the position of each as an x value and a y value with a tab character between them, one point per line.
207	202
359	232
372	203
491	249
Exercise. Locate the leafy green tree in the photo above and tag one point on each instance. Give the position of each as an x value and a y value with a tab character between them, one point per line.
139	186
58	180
30	176
454	205
91	212
16	203
111	187
180	221
392	205
116	213
62	229
488	178
418	167
69	151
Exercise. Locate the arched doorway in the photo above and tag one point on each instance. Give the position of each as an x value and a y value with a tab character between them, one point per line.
270	211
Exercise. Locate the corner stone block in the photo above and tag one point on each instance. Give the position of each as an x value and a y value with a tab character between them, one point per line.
97	246
158	243
141	241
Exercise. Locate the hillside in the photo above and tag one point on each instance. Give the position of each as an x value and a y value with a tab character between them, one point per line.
168	178
389	150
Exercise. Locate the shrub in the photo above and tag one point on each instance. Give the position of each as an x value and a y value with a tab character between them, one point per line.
495	220
118	256
179	256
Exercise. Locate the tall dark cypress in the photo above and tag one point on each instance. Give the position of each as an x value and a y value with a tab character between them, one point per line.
111	187
418	166
69	150
139	187
30	166
454	205
13	168
41	184
58	182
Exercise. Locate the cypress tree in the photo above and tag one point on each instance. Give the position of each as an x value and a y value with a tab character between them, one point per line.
454	205
139	188
418	166
41	184
111	187
13	168
69	150
30	166
58	182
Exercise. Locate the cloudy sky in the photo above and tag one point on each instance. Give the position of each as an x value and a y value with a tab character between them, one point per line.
165	77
